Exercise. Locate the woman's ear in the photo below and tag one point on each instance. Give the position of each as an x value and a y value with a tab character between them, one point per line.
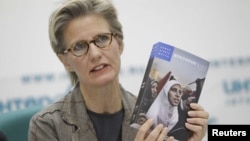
65	62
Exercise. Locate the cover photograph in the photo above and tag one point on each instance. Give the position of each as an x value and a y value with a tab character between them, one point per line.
173	79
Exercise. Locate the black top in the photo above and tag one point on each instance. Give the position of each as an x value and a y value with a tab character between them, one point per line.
108	127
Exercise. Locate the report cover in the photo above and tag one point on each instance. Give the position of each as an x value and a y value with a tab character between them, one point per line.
173	79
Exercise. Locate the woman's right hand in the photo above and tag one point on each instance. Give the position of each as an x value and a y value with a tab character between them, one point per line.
159	133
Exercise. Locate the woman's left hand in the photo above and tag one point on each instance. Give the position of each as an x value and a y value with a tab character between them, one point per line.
197	122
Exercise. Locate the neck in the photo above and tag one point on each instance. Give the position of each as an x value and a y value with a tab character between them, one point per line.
104	99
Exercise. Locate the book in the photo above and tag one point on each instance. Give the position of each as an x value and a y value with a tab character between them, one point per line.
173	79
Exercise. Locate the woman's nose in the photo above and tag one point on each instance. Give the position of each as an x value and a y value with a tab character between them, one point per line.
94	52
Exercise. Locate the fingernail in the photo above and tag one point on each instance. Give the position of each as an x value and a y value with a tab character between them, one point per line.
190	113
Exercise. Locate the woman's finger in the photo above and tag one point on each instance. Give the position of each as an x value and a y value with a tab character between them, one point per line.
157	133
143	130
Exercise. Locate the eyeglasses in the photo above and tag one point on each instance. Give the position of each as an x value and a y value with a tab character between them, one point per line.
80	48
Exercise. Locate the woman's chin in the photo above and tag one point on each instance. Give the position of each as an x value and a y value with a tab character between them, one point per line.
104	81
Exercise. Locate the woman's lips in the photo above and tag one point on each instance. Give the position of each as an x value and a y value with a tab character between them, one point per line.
99	67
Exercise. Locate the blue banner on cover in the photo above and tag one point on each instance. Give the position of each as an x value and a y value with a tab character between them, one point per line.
163	51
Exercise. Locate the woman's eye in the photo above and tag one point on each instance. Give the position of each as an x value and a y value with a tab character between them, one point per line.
102	38
173	89
80	46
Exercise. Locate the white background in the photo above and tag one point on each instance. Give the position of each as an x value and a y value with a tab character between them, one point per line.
208	28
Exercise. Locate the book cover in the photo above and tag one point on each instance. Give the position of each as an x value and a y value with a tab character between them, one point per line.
173	79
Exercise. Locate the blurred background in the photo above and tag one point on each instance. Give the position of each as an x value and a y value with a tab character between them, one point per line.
218	31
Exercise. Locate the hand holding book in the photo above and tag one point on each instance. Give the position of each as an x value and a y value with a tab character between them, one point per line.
196	123
180	77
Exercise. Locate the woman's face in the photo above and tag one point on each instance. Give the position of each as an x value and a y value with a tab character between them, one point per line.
174	95
154	89
99	66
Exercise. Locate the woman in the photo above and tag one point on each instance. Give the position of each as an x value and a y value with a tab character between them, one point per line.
165	107
149	97
87	37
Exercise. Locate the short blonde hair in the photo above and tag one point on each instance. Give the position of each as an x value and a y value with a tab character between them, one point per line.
76	8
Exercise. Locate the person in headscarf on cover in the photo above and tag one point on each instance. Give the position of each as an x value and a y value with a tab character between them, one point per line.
164	109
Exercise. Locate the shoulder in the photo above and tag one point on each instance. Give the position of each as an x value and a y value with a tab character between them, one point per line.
128	95
59	106
48	123
54	108
128	99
